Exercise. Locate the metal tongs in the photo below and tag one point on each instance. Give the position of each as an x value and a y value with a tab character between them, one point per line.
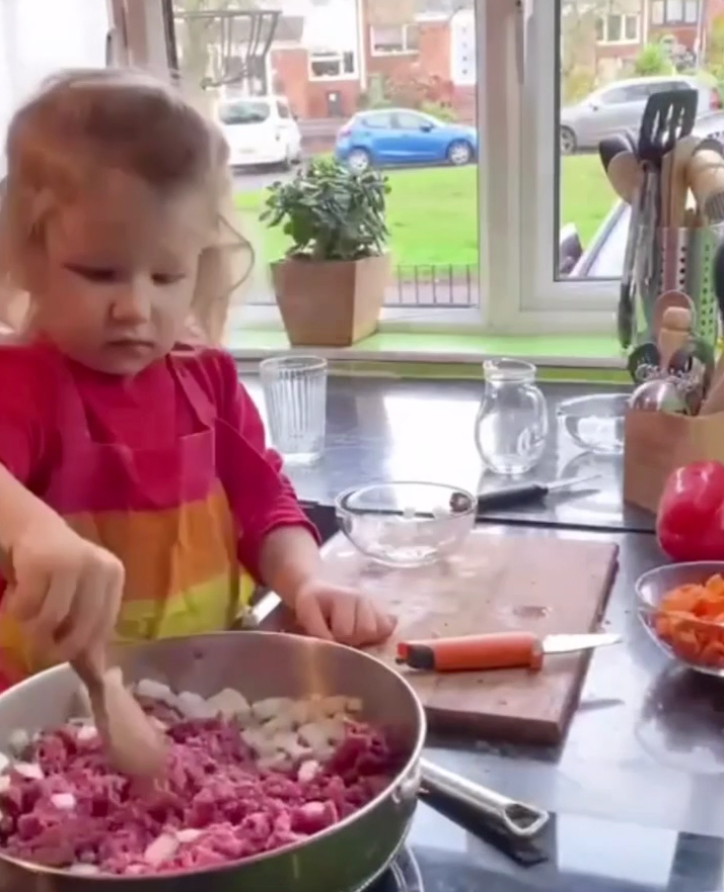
518	818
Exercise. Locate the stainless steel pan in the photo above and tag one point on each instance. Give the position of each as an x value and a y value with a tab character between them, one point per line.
344	858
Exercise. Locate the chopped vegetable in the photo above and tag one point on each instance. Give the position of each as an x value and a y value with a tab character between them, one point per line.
690	619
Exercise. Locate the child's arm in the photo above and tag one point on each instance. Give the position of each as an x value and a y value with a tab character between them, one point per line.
278	545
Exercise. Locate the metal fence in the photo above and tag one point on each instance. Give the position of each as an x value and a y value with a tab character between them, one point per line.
425	286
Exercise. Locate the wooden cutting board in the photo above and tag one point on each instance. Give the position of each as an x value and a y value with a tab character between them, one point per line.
495	583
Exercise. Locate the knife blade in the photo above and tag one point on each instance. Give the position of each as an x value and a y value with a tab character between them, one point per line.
495	650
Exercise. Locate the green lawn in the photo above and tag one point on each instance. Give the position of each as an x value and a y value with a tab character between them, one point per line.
432	212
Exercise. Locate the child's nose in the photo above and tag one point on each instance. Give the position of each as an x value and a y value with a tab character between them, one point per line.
133	305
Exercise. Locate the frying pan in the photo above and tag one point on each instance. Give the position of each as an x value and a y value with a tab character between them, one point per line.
343	858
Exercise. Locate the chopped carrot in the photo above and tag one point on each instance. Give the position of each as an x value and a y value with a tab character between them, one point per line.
690	619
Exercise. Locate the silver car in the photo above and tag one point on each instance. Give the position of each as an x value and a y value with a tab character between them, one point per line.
619	106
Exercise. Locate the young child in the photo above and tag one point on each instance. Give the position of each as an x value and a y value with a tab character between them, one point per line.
137	496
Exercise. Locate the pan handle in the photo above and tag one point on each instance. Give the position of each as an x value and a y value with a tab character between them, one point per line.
519	818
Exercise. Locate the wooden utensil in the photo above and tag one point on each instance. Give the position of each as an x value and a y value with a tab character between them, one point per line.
133	744
705	175
672	299
622	168
675	210
675	331
486	587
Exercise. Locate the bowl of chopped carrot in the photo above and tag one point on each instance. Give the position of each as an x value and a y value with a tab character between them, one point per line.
682	606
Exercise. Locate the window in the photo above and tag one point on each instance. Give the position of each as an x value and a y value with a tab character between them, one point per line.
394	41
377	121
675	12
617	28
244	112
331	66
412	122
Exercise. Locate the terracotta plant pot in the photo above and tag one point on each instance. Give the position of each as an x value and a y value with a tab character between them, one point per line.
331	303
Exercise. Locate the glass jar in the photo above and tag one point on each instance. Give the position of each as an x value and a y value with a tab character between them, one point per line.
511	426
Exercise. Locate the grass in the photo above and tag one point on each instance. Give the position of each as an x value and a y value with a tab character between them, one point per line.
432	212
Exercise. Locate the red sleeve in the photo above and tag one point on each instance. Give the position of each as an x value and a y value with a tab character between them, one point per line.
262	498
25	382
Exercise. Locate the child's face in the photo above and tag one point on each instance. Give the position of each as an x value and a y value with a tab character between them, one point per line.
115	282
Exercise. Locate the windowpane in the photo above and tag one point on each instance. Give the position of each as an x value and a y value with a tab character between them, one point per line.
657	12
339	104
691	11
602	97
674	11
73	34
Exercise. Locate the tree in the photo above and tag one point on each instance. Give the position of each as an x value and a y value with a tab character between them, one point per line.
581	21
715	48
206	54
653	59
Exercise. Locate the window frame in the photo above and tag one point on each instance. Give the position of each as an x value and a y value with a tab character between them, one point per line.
623	18
517	49
332	55
404	34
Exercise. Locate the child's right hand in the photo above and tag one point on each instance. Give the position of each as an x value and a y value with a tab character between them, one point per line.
66	591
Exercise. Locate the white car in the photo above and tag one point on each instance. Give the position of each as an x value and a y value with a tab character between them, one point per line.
260	130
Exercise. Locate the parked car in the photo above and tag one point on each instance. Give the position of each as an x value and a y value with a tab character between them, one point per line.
620	106
260	130
392	136
603	256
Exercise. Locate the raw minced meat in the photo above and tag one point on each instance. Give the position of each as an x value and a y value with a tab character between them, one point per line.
215	803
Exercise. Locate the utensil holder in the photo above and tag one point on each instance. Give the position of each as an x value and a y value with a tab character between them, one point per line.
686	263
657	443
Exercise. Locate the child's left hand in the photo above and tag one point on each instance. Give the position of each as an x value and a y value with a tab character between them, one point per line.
335	613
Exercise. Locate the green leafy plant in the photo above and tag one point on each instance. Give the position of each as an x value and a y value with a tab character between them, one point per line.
330	212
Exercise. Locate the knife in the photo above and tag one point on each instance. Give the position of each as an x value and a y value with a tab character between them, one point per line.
526	493
497	650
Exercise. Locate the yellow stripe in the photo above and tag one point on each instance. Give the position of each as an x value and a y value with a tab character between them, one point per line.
202	608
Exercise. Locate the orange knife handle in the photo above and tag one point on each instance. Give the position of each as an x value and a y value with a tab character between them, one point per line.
498	650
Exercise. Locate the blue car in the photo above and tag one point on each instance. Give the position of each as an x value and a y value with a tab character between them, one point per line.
392	136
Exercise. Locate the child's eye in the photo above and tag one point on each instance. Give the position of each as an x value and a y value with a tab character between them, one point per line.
167	278
98	274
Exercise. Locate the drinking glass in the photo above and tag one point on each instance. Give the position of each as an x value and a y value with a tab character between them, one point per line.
295	394
512	422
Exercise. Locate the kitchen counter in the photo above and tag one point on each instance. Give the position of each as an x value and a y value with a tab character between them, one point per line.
382	429
646	745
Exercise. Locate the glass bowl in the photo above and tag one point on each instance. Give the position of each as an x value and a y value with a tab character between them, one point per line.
698	643
406	524
595	422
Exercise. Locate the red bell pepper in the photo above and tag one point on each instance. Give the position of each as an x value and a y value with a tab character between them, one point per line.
690	520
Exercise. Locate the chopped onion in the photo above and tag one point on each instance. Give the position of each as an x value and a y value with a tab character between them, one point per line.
19	742
87	732
64	801
161	849
229	704
308	771
29	770
190	834
155	690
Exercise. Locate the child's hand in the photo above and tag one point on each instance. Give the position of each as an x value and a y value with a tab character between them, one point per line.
341	614
66	591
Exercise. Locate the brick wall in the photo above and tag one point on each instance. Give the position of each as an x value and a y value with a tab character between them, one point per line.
311	98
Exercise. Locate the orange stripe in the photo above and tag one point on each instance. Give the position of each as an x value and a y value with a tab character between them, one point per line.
166	551
205	608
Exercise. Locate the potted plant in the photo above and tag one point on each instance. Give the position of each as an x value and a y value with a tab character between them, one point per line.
331	284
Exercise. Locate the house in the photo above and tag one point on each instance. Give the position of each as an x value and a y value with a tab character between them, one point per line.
345	60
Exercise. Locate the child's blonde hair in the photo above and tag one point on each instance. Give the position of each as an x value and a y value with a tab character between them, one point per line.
81	125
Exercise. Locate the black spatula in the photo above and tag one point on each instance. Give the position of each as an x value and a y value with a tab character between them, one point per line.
668	117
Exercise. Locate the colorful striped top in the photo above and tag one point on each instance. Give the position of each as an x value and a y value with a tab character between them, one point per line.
146	412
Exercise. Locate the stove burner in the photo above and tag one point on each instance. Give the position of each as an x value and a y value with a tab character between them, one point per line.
403	876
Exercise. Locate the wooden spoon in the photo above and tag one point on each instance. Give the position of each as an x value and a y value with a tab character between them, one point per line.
133	744
135	747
